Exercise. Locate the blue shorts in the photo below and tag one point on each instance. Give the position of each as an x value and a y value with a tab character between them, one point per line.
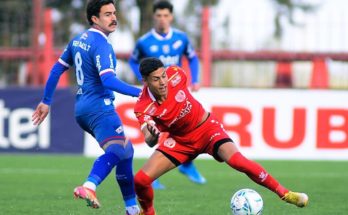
103	126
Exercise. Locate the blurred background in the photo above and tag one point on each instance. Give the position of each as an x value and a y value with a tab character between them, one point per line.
275	72
241	44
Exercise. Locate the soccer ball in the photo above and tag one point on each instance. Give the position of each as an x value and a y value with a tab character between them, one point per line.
246	202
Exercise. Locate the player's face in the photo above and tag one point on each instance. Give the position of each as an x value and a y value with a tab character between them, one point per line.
107	21
157	82
162	20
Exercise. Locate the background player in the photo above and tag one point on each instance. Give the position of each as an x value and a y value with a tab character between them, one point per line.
167	105
170	45
95	63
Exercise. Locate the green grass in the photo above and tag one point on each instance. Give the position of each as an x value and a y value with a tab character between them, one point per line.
40	184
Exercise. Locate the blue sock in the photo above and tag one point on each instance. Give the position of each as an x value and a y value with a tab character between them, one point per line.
187	164
125	179
102	167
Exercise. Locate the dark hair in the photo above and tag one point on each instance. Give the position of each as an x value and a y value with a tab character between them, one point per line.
149	65
162	5
93	8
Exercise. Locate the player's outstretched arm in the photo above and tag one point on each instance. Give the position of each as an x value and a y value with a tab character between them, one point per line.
194	68
151	133
43	107
40	113
111	82
135	68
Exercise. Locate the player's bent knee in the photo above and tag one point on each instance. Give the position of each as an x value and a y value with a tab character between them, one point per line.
116	149
129	150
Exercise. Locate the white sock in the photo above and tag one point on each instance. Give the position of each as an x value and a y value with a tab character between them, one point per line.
133	210
90	185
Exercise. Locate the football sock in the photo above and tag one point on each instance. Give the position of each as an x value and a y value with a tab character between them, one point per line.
90	185
256	172
124	176
144	190
187	164
102	167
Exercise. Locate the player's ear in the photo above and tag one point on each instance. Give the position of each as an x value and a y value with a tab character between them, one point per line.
94	19
171	18
144	80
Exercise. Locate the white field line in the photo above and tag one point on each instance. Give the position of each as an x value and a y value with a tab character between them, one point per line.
35	171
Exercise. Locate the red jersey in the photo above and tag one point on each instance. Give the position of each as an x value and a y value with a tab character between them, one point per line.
179	114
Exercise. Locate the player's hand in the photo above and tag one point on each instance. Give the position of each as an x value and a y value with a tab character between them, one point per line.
152	130
195	87
40	113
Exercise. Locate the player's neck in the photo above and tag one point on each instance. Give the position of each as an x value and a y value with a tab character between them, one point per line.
161	99
100	29
162	32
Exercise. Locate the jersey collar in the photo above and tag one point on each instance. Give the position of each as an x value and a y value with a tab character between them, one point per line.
159	37
151	95
99	32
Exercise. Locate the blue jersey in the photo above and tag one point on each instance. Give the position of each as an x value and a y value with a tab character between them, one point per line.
169	49
92	56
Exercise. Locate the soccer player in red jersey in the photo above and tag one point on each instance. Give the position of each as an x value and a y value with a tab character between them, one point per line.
166	105
170	45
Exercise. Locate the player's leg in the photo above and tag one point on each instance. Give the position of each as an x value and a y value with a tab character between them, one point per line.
125	179
229	153
101	168
192	173
156	184
108	131
157	165
187	168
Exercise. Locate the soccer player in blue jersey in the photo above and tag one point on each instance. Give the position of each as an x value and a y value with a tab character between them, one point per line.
169	45
94	61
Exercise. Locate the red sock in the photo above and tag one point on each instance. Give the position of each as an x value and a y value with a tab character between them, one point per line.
256	172
144	192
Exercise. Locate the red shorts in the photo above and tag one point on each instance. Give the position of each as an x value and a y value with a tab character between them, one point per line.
207	138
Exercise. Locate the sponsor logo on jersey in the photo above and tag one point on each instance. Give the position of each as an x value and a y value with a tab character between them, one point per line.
119	130
170	143
154	48
84	36
152	110
176	80
180	96
97	59
111	62
169	60
214	135
166	49
162	114
107	101
184	111
177	44
79	91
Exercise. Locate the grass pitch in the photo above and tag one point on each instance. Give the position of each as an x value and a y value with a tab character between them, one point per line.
43	184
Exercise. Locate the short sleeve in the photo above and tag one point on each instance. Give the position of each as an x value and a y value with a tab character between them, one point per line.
143	119
66	57
105	59
189	50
